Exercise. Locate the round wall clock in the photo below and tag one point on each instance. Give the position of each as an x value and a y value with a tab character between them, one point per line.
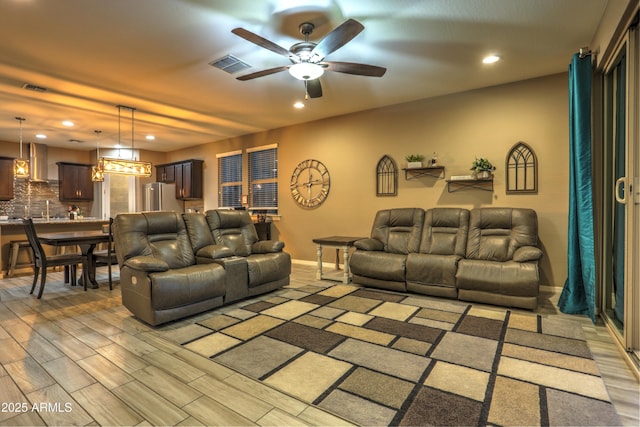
310	183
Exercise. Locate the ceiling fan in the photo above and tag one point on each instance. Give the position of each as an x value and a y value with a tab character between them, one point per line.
307	58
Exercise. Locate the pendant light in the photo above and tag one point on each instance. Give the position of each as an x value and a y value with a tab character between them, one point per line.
97	171
126	167
21	166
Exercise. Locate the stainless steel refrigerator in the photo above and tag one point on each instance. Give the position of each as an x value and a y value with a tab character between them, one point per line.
159	196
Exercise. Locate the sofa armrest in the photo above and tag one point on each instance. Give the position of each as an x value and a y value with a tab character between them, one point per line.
267	246
527	253
369	245
148	264
215	252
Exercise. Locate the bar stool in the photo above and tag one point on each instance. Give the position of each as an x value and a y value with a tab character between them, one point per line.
14	251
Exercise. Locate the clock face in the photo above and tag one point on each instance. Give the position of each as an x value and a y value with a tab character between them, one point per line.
310	183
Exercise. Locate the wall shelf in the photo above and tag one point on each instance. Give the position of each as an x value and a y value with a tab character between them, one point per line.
432	171
469	184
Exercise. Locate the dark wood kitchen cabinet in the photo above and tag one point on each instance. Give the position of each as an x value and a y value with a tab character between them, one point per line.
187	176
75	182
6	178
165	173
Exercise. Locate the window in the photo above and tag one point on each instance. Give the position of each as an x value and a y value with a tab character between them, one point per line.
263	178
230	179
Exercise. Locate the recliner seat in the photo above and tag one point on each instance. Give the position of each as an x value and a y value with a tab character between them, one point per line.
159	277
432	270
501	262
380	260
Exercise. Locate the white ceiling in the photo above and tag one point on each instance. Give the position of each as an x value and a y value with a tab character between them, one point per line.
153	55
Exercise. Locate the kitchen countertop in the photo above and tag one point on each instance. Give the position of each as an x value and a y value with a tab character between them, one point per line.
59	220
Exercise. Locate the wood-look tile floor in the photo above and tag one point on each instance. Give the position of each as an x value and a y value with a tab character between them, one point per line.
80	358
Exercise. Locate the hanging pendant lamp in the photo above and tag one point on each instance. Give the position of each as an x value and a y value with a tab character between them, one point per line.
21	166
126	167
97	171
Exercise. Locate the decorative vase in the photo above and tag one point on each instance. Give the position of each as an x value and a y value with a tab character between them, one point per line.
483	175
413	165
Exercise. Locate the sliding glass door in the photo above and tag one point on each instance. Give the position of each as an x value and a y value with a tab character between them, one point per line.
621	164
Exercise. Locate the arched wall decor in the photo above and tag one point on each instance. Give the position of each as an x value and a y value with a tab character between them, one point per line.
386	177
521	170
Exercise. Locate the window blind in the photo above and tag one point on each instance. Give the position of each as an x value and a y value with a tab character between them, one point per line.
230	180
263	179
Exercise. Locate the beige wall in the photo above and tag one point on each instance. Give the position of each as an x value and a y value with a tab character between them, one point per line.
54	155
483	123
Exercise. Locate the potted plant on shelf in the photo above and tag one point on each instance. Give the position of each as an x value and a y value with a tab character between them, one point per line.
482	168
414	160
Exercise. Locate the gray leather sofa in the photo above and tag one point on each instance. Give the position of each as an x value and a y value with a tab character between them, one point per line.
488	255
171	269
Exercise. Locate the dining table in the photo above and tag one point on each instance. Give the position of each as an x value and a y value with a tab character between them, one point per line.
86	240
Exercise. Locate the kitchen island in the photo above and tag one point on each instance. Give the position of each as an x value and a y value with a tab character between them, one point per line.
13	229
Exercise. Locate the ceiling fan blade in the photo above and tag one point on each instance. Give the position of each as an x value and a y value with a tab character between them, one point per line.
355	68
263	73
261	41
314	88
337	38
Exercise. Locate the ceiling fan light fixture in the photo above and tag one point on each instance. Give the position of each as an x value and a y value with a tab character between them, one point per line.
306	71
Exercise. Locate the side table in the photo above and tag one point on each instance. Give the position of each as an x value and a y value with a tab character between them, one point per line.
338	242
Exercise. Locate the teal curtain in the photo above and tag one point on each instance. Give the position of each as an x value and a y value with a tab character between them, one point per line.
579	295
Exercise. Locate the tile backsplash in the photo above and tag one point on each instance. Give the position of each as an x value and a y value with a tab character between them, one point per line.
30	199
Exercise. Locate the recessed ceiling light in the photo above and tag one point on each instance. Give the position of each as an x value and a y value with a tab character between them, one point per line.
67	123
298	105
150	137
41	136
490	59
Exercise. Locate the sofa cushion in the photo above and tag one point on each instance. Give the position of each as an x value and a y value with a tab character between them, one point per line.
431	269
184	286
198	230
399	229
501	278
379	265
270	267
233	229
445	231
162	235
496	233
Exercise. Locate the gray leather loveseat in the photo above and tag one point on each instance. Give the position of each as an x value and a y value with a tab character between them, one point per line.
489	255
176	265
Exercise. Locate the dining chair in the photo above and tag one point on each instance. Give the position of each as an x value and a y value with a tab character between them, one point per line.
42	261
107	256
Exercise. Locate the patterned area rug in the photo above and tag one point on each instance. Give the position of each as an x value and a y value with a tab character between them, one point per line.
385	358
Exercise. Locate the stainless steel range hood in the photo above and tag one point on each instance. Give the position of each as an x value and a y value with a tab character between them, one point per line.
38	162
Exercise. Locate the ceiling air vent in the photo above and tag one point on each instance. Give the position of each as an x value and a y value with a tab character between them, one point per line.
230	64
34	88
